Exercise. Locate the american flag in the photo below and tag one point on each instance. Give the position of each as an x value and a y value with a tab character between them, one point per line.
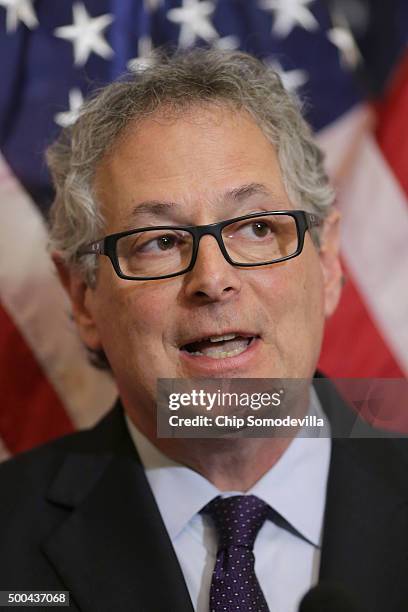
54	53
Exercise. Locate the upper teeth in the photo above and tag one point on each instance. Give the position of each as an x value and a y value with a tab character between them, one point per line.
220	338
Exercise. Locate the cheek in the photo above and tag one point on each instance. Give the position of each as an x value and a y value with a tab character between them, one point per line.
293	304
294	291
134	319
309	332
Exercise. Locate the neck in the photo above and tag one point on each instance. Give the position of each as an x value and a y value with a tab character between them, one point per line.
234	464
230	465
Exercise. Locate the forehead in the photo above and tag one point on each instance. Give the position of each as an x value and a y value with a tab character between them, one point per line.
194	161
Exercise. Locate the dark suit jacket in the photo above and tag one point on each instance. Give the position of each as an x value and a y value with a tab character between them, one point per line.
78	514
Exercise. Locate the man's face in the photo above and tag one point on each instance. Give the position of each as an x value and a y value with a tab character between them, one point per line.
205	166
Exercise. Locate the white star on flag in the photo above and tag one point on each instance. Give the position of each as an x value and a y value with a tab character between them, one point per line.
69	117
86	34
227	43
19	10
291	79
343	39
195	21
288	14
144	57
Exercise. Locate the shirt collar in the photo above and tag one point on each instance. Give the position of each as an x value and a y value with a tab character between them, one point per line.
172	482
295	486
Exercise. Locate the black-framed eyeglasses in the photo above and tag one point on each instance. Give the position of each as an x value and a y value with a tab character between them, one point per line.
258	239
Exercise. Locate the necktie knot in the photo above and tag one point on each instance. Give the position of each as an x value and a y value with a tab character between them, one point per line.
237	519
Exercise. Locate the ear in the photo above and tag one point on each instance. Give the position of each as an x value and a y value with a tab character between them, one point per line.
81	296
330	261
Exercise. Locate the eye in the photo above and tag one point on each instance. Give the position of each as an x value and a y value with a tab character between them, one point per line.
165	242
159	242
260	229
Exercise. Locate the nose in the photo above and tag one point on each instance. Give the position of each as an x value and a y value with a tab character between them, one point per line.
212	279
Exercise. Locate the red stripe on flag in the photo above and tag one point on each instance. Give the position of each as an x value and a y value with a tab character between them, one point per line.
392	131
339	355
30	411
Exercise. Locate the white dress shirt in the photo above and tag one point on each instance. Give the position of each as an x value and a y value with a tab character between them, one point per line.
286	565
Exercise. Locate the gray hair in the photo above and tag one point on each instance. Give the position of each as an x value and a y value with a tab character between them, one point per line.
175	83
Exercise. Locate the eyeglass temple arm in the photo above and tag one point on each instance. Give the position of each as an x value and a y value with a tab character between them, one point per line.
93	248
313	220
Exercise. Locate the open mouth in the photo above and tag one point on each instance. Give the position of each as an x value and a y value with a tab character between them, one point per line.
219	347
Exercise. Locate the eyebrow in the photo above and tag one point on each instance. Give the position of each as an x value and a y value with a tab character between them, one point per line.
246	191
155	208
158	208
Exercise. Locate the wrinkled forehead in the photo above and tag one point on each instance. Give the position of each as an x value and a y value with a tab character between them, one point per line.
202	162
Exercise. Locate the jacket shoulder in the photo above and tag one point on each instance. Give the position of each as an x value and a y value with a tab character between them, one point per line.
29	474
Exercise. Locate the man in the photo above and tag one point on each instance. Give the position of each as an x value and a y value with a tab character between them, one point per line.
124	519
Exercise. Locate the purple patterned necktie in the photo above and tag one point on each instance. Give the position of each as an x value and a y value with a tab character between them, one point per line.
234	585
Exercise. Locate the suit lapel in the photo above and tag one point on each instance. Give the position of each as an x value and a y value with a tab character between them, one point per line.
365	537
112	550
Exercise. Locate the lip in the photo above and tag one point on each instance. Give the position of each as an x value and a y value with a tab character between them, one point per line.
203	365
212	334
